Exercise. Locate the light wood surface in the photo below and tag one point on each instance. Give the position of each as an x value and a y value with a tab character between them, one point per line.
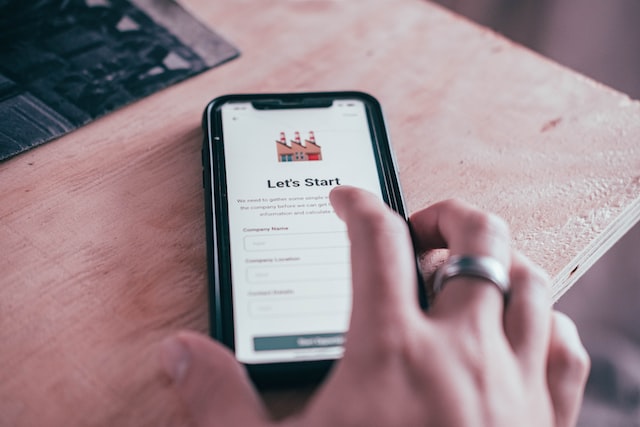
102	231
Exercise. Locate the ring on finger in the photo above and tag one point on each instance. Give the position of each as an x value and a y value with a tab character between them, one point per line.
482	267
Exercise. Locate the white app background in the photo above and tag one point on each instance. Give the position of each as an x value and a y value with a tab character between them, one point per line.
290	252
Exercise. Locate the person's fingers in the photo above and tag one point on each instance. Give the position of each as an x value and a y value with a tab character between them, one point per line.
567	370
464	230
527	318
383	265
212	385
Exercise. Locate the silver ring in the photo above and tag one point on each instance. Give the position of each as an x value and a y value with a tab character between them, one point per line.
474	266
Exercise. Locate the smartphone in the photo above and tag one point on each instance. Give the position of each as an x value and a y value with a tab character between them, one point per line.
278	255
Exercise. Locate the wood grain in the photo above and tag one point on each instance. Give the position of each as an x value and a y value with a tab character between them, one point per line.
102	231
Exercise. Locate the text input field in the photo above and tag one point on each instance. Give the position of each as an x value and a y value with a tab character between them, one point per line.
271	242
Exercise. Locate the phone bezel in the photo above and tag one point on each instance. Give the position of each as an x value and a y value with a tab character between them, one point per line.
218	257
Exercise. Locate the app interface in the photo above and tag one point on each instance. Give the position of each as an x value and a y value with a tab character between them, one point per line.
290	266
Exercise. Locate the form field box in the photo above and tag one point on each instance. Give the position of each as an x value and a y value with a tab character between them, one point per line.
272	242
301	307
299	273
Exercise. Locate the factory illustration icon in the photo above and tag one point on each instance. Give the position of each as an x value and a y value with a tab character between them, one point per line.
296	150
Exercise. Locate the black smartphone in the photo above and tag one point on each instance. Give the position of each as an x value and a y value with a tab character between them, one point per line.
278	255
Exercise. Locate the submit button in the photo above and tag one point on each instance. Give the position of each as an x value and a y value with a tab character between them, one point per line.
290	342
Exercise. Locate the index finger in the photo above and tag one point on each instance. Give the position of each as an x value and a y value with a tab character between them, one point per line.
463	229
382	262
468	231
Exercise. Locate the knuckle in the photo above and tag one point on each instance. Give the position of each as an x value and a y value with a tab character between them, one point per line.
568	354
488	224
573	360
477	221
582	361
533	281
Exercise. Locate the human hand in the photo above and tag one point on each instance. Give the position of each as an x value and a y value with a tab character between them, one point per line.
469	361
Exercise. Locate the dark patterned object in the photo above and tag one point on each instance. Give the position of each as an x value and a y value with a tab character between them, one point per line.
64	63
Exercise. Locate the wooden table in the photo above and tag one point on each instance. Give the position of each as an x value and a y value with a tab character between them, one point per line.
102	231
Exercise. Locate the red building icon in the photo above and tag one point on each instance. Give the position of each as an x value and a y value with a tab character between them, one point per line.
296	151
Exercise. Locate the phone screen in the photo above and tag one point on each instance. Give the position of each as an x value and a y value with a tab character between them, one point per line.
290	261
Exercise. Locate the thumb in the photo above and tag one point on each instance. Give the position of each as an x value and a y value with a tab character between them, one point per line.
213	386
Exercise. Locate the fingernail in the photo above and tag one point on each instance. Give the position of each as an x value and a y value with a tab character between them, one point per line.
175	358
